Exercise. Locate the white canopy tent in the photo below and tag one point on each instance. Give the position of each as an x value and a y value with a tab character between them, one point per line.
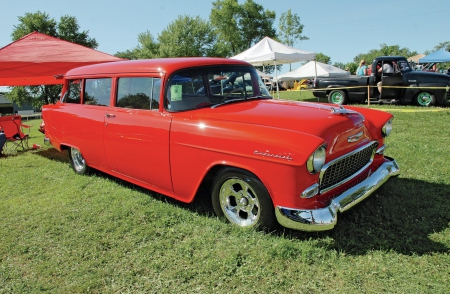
270	52
311	70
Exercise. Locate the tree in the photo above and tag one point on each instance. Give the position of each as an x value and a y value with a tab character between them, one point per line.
67	29
187	36
39	22
147	48
291	28
441	46
385	50
323	58
238	27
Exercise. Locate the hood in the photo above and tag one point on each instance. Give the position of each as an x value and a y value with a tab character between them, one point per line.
421	77
314	119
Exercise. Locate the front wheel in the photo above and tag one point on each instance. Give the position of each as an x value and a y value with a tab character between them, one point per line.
77	162
337	97
425	99
242	199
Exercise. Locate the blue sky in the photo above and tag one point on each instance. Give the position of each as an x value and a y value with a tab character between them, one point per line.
340	29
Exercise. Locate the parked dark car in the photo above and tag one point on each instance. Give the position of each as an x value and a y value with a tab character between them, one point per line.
403	86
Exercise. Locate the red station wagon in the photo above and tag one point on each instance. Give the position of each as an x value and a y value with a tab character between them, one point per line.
171	125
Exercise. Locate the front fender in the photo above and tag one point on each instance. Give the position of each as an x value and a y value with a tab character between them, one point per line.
196	146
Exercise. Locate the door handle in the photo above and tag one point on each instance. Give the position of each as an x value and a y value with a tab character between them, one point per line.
108	115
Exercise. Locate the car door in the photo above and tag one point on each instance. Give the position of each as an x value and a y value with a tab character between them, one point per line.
137	134
391	83
81	118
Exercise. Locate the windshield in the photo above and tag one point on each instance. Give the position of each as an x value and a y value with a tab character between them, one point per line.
210	86
404	65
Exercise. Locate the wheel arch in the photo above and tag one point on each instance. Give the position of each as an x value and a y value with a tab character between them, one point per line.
207	181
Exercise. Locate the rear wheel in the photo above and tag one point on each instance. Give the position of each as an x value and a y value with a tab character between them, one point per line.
337	97
242	199
425	99
77	162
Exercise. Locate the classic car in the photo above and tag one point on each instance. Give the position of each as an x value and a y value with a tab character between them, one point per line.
402	86
171	126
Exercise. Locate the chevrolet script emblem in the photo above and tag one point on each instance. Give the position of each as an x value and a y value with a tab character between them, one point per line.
355	138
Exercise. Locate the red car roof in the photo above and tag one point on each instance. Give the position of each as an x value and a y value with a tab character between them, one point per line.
167	65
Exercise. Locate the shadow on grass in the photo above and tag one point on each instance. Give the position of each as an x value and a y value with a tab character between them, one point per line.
401	216
53	154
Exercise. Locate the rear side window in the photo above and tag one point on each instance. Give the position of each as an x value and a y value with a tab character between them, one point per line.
73	95
138	93
97	92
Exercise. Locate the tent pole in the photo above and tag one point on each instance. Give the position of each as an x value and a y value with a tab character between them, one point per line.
276	77
315	67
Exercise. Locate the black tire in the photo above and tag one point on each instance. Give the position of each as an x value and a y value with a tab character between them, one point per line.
242	199
337	97
425	99
77	162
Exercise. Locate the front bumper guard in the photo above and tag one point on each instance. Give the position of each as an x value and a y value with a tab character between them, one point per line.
326	218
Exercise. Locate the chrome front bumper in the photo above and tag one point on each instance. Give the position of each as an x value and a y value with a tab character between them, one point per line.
326	218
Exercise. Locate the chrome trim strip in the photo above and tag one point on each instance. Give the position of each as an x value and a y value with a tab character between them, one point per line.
326	218
326	166
355	138
314	189
381	150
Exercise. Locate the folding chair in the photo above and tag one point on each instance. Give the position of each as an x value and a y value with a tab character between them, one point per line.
16	133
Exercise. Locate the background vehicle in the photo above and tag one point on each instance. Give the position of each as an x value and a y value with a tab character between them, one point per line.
404	85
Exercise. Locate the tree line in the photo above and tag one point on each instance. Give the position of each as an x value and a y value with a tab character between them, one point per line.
231	28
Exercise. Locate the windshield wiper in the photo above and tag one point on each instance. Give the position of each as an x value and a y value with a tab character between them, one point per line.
239	100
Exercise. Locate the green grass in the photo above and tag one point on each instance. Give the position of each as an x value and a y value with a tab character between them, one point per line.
65	233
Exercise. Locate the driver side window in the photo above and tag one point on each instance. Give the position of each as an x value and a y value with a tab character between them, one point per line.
186	90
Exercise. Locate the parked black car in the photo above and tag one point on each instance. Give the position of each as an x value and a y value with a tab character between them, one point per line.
403	86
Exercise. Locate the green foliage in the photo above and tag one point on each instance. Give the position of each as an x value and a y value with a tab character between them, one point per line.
443	45
291	28
187	36
385	50
34	22
147	48
239	26
66	233
323	58
37	96
67	28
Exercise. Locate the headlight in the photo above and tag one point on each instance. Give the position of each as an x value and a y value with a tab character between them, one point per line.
387	128
316	160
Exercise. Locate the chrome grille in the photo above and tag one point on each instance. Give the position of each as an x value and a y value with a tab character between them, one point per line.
346	167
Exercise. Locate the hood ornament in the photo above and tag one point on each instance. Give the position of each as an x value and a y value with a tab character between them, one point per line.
341	111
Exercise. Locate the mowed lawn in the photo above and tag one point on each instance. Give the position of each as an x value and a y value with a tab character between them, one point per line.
65	233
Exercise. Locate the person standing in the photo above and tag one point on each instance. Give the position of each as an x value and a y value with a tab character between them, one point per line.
362	69
386	68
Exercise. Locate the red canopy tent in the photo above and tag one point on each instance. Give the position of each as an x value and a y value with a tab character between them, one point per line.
37	58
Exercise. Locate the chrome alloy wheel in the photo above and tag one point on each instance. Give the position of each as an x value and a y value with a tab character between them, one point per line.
239	202
78	161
